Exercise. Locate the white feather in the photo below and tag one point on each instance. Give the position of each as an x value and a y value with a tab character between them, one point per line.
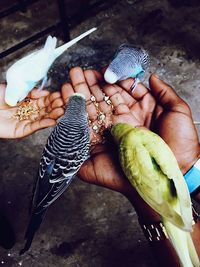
24	74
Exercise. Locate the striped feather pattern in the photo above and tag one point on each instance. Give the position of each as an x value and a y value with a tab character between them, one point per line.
66	150
129	61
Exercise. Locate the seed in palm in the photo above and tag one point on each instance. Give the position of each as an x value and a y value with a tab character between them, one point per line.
26	110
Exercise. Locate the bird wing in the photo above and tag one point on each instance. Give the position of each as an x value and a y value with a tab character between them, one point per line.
57	170
168	165
34	67
153	185
50	44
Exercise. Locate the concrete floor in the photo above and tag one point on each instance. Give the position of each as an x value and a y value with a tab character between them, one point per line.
91	226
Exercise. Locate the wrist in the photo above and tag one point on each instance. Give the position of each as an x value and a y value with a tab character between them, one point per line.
192	178
188	161
144	212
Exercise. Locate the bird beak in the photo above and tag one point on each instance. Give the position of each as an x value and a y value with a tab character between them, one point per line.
110	76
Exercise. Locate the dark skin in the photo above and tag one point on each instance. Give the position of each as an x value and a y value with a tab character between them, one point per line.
160	110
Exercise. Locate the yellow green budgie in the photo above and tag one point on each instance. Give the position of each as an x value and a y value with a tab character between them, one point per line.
152	169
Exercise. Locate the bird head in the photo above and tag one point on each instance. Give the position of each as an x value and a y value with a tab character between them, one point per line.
110	76
15	93
129	61
76	104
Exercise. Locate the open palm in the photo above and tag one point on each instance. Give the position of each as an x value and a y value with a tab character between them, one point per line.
103	167
158	109
49	109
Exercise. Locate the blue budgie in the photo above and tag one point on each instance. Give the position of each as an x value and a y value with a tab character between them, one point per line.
129	61
67	148
25	74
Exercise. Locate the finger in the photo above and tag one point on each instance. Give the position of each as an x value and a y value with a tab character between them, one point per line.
2	96
42	113
99	75
67	90
79	82
119	105
36	93
37	125
80	85
93	77
56	113
127	84
48	100
53	114
128	98
92	112
166	96
103	70
55	104
54	96
139	92
158	111
110	90
93	83
58	102
114	94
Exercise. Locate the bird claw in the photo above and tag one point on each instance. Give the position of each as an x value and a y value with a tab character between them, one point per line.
44	82
134	85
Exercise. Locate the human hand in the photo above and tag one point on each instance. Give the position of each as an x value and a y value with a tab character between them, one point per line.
172	120
138	108
103	168
49	109
160	113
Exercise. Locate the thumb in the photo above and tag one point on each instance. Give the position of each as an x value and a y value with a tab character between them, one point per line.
165	94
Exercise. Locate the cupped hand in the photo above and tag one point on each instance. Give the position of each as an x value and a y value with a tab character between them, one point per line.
172	120
49	109
103	167
159	109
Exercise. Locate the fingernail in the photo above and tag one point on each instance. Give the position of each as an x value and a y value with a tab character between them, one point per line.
160	79
156	75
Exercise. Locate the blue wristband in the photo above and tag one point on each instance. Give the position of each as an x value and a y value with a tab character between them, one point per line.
192	177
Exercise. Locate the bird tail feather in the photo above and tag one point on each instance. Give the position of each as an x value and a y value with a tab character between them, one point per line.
34	224
183	245
50	44
64	47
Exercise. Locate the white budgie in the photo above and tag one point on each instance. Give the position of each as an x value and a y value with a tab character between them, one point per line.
24	74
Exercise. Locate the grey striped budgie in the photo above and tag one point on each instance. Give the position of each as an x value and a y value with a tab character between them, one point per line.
129	62
25	74
67	148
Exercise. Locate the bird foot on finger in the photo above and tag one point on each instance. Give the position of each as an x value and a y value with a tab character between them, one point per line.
134	85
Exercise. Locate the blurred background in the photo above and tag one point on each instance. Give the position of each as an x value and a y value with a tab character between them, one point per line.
89	226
